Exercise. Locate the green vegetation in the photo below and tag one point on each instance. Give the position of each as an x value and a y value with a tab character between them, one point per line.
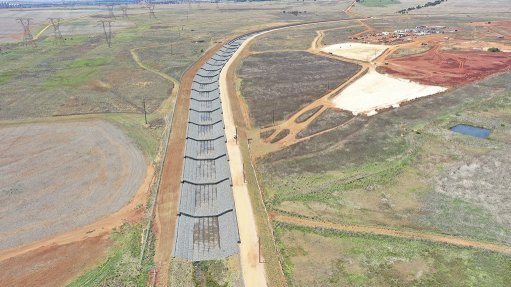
76	73
428	4
493	50
6	76
323	187
340	259
378	3
120	269
459	216
210	273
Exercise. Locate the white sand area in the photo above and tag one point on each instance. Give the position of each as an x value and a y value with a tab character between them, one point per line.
375	91
356	51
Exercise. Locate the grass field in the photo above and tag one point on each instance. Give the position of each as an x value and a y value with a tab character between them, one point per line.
316	257
120	268
395	183
378	3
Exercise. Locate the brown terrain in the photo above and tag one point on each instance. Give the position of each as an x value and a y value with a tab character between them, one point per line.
446	68
54	257
53	265
60	176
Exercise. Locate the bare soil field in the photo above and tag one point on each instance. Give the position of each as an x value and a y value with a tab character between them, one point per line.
356	51
60	176
54	265
284	82
445	68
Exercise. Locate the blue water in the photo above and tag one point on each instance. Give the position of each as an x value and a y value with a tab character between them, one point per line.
471	131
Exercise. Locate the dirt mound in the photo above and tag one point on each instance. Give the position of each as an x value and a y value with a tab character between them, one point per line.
60	176
447	68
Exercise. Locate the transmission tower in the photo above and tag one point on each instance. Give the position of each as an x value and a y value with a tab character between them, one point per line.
27	35
124	9
151	6
111	11
55	22
107	28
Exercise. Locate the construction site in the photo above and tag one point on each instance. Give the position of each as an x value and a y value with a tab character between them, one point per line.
278	143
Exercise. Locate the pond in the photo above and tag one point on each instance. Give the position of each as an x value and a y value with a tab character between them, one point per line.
471	131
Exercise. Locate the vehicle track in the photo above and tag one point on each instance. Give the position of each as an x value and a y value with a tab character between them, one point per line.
495	247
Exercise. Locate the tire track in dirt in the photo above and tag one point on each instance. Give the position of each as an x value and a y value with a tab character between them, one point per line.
165	104
412	235
316	45
291	124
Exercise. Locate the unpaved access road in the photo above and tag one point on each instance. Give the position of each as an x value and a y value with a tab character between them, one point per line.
391	232
253	271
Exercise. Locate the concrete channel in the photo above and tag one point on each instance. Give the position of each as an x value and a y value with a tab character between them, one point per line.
207	228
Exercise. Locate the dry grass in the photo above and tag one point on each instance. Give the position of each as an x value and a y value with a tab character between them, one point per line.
280	83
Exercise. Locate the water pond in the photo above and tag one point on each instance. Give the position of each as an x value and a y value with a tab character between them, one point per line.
471	131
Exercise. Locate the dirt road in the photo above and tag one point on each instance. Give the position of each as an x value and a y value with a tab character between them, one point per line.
253	272
394	233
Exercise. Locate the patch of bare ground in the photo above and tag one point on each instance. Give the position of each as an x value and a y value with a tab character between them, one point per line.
329	119
53	265
284	82
60	176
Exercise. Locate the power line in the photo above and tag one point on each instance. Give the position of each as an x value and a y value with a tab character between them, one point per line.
151	7
111	11
124	9
55	22
27	35
108	34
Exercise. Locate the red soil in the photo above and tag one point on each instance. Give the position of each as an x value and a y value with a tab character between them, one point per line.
53	265
444	68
